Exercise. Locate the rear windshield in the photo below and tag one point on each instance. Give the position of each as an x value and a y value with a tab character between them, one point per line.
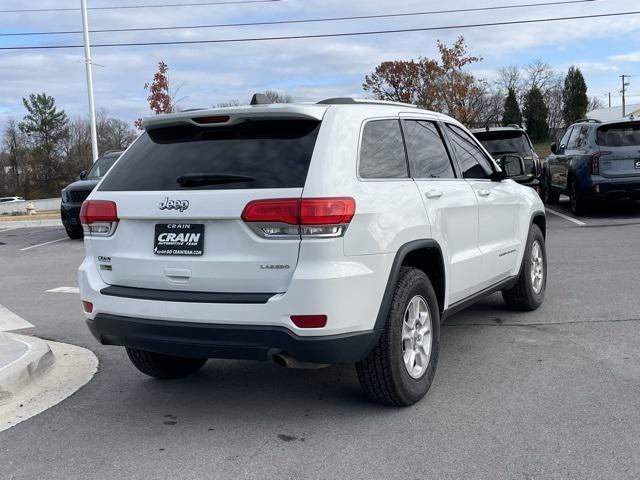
273	153
619	135
500	143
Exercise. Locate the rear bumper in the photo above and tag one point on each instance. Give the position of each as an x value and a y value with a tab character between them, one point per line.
616	187
251	342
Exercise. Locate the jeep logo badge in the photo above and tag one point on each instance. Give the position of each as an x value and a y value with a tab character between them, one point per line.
168	204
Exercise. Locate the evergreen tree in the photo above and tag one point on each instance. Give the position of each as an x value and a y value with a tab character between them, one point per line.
512	113
46	127
535	113
574	96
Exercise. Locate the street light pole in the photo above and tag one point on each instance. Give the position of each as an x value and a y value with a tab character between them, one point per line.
88	65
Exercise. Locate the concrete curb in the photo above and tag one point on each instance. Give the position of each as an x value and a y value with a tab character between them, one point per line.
49	222
72	369
29	367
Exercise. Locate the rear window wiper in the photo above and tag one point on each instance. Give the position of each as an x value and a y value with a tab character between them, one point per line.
201	179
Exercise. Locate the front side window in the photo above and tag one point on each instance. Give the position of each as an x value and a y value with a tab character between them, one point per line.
382	150
427	154
565	138
572	144
472	159
102	166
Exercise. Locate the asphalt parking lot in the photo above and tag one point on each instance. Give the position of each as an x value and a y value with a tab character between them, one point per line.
548	394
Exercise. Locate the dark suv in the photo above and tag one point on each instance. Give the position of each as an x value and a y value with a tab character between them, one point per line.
500	141
594	161
75	193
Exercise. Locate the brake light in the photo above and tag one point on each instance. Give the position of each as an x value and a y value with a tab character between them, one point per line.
99	217
308	217
211	120
87	306
595	162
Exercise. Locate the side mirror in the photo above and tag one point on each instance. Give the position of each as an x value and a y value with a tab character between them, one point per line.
512	165
554	148
83	175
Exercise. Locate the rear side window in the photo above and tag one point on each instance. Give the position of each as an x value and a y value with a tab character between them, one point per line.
472	159
619	135
273	153
382	150
427	154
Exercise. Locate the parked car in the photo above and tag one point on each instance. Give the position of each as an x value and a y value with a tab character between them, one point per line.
11	199
339	232
499	141
75	193
594	161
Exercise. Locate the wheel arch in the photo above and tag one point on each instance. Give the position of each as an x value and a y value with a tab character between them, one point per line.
539	218
425	255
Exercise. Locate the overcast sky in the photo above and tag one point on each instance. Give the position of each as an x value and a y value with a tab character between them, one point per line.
309	69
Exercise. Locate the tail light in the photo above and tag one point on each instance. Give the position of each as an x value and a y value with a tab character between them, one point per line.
294	217
309	321
595	162
99	218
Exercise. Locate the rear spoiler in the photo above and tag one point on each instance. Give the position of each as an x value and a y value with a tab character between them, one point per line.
233	115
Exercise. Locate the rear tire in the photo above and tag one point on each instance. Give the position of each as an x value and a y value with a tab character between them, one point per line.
400	368
162	366
580	201
528	292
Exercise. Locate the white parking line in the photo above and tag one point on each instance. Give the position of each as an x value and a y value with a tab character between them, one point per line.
43	244
7	229
64	290
11	321
566	217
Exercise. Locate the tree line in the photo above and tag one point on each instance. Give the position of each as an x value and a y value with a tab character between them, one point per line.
533	95
46	149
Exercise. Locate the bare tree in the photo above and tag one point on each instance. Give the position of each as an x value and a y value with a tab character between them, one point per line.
594	104
539	75
277	97
510	78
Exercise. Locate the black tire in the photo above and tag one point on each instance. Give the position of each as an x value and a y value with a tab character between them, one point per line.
580	201
383	375
164	366
549	196
522	296
74	234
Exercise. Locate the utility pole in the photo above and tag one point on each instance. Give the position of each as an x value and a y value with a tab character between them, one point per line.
609	99
624	86
88	65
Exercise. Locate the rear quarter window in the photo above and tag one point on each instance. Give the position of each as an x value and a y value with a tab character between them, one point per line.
274	153
382	152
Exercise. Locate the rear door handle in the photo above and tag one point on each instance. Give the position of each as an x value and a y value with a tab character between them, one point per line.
433	194
483	192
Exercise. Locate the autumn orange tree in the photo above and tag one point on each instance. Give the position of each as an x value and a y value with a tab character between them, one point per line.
441	84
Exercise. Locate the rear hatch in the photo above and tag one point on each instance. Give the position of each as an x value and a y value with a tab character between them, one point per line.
619	145
180	191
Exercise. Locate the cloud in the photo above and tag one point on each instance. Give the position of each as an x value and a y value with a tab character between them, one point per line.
306	69
626	57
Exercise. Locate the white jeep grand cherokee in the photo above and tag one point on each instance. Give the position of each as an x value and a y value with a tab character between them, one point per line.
344	231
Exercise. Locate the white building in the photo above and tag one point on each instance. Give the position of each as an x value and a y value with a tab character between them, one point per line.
614	113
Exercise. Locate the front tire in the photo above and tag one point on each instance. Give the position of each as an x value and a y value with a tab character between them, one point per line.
162	366
74	234
549	196
400	368
528	292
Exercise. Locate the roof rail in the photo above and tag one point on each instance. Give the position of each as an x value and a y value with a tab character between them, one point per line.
515	125
588	120
361	101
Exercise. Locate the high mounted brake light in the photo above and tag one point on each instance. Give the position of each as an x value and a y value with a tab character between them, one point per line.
212	119
307	217
99	217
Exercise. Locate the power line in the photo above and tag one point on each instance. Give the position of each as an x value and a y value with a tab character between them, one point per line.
119	7
286	22
327	35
